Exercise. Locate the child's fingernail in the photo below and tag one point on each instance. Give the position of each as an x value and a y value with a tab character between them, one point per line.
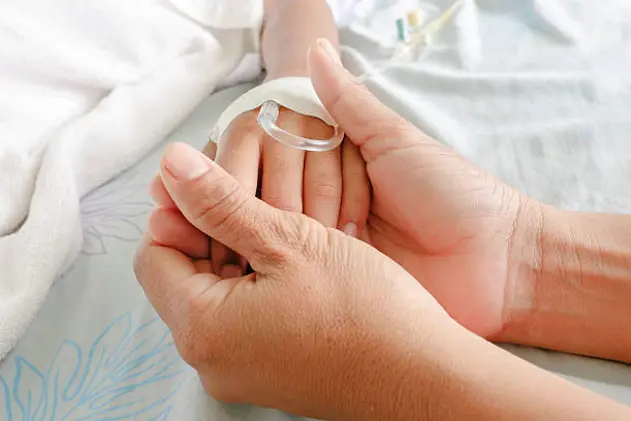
330	50
184	162
350	229
230	271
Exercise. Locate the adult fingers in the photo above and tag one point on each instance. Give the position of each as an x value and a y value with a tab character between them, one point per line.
216	203
356	193
156	189
369	124
170	281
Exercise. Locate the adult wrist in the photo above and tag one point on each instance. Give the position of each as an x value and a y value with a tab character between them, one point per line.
580	290
399	377
456	375
525	256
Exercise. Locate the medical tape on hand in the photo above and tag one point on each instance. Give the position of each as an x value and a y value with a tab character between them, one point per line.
294	93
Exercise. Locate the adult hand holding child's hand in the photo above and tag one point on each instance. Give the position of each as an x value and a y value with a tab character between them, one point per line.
470	239
329	327
466	236
322	316
330	187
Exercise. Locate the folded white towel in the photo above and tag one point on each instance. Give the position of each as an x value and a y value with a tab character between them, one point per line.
86	89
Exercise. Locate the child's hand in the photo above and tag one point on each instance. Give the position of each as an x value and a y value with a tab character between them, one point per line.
331	187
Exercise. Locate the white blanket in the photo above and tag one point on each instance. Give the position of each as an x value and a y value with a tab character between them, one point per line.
86	89
538	92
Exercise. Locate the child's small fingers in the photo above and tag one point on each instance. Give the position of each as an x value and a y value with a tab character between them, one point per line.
323	186
356	192
159	193
203	266
225	259
239	155
169	227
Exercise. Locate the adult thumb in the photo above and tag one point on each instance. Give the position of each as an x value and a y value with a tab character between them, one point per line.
368	123
216	204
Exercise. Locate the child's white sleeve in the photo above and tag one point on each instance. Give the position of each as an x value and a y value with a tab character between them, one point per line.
341	10
227	14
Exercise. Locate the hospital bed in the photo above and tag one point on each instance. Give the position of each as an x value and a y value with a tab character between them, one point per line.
536	93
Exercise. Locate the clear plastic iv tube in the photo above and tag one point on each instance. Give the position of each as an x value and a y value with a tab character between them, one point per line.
267	117
417	40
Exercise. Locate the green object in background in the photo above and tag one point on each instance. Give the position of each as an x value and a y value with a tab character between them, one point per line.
402	31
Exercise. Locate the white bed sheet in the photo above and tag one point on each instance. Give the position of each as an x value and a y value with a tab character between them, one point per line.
532	91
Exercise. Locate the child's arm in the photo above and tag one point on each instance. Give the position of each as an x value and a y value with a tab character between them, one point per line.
290	27
331	187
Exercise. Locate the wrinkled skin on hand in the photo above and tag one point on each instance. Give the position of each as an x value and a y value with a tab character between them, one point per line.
312	323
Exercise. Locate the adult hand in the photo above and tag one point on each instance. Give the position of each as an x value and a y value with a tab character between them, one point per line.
469	238
322	316
326	326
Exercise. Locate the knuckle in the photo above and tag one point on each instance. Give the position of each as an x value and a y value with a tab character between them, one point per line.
192	342
277	252
358	173
268	234
273	255
315	128
188	348
243	129
356	205
357	191
283	203
243	124
401	128
188	352
346	91
248	225
302	234
326	191
353	165
285	241
217	203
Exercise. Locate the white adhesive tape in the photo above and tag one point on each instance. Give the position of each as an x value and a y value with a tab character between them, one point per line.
295	93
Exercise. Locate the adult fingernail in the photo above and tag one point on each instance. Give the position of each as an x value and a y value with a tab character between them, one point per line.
330	50
184	162
230	271
350	229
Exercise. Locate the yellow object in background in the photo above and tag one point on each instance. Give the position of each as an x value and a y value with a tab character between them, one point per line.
415	18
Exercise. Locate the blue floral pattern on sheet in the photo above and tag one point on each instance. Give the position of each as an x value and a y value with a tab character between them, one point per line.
114	211
128	373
